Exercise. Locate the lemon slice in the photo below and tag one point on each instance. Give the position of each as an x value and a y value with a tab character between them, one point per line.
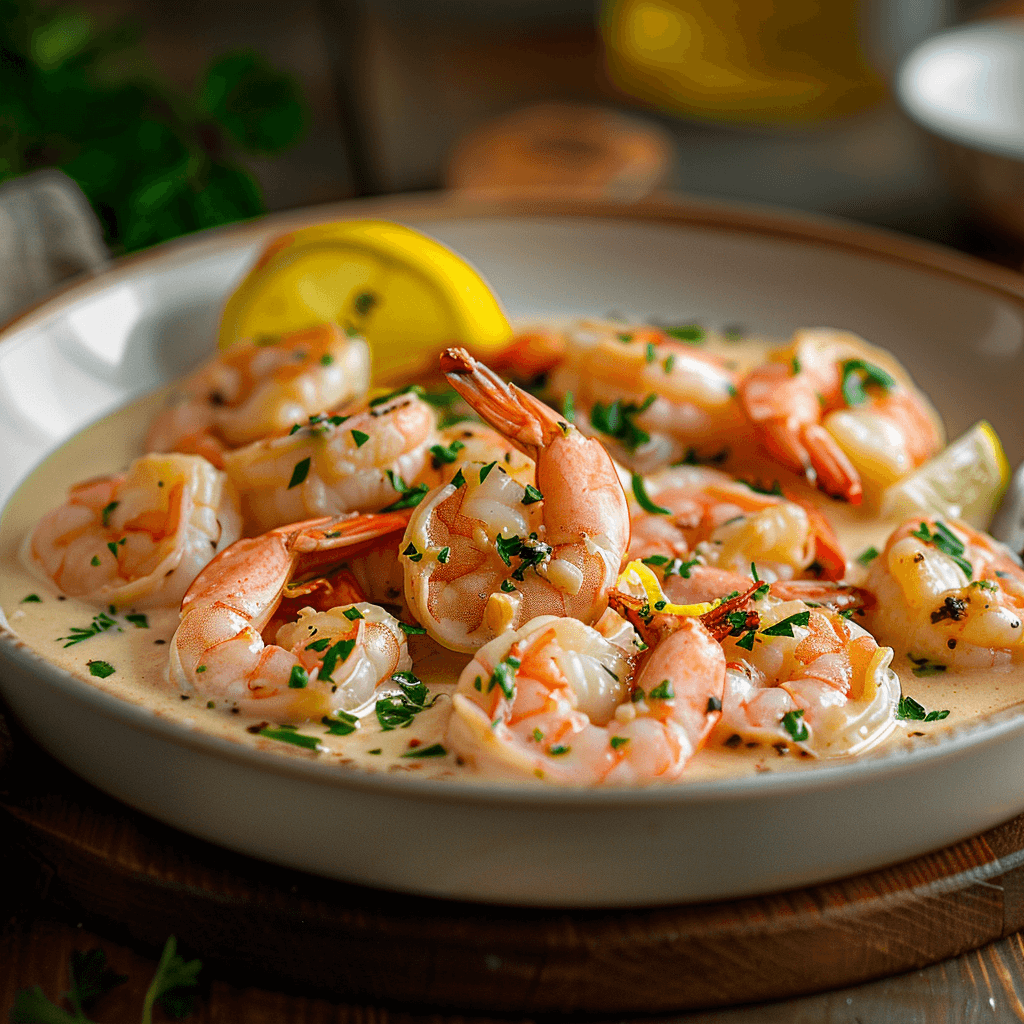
405	293
965	481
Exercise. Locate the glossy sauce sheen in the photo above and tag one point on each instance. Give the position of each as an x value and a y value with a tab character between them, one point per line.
139	655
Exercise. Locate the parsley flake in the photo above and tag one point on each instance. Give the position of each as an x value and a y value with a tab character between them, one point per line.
617	421
504	676
856	374
435	750
909	710
359	437
791	722
299	473
640	493
100	669
785	626
532	495
288	735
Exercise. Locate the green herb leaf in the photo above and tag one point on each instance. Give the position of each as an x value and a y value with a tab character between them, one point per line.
909	710
617	420
532	495
856	374
559	750
138	620
297	739
299	473
410	630
747	640
568	409
640	493
945	541
868	555
337	652
319	645
353	614
340	724
692	333
663	691
485	471
359	437
100	623
299	678
458	480
619	741
785	627
107	510
435	750
397	711
446	455
31	599
443	555
791	722
925	667
410	499
504	676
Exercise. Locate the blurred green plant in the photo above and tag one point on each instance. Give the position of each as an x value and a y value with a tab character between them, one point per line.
154	161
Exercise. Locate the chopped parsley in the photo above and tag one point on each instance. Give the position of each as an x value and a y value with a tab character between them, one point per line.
909	710
341	723
337	652
364	302
619	741
568	409
443	555
650	352
485	471
868	555
747	640
95	560
411	630
637	695
692	333
669	363
458	480
398	710
714	704
532	495
288	734
359	437
925	667
319	645
138	620
671	566
434	750
31	599
617	421
663	691
100	669
299	473
409	389
504	676
507	586
791	722
530	552
100	623
446	454
299	678
353	614
412	552
945	541
410	496
785	626
326	359
856	374
107	510
640	493
559	750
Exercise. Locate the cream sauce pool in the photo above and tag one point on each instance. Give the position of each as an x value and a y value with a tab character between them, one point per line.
138	653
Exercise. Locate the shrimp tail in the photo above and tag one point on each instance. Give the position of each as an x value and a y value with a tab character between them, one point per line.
526	421
833	471
828	552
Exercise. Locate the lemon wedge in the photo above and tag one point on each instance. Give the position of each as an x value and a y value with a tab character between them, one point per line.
404	292
964	481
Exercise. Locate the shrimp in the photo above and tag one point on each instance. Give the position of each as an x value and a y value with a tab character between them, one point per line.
483	553
256	389
948	594
823	410
562	701
335	464
797	676
652	400
330	659
705	513
137	538
476	442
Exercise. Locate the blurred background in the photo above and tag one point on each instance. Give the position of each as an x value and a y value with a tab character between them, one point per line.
173	115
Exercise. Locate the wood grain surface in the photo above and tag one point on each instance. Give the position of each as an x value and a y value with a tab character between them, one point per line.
90	859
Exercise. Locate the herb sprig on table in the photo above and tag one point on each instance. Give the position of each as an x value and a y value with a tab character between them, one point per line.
173	987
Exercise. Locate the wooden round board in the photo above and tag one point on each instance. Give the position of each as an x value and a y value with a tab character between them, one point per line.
276	927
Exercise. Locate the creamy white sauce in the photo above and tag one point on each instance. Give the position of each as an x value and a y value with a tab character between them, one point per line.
139	655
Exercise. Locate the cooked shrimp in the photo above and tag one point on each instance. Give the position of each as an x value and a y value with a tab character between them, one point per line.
255	390
483	553
841	412
652	400
328	660
475	442
335	464
797	675
724	523
137	538
948	594
560	700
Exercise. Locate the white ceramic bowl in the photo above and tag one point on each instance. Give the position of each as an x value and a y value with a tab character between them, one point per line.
957	322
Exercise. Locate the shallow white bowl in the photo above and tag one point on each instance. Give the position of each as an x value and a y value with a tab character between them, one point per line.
958	323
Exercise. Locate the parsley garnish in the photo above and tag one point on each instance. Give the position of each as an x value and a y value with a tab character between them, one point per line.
714	704
398	710
671	566
640	493
619	741
507	586
485	471
435	750
924	667
945	541
530	552
359	437
504	676
353	614
31	599
868	555
568	409
107	510
341	723
909	710
559	750
785	627
532	495
446	455
100	669
686	332
458	480
287	734
319	645
411	630
338	652
413	389
443	555
663	691
95	560
616	420
747	640
412	553
364	302
100	623
299	473
670	362
856	374
797	729
299	678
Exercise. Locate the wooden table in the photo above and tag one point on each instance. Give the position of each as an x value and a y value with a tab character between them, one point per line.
83	872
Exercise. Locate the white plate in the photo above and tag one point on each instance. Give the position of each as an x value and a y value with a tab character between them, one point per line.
957	322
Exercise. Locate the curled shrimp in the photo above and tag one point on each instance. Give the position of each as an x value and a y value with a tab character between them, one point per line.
840	412
800	676
483	553
948	594
468	442
706	514
329	659
253	390
139	537
363	462
562	701
651	399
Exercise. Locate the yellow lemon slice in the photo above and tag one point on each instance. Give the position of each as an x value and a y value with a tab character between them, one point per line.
965	481
405	293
